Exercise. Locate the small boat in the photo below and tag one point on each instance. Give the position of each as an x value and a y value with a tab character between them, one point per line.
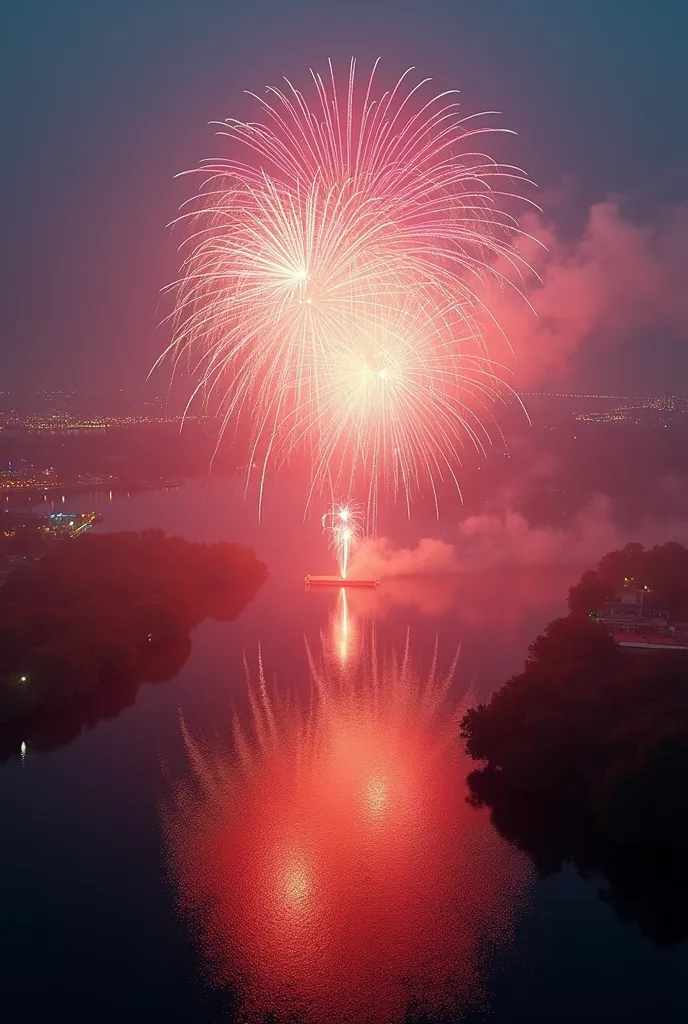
337	581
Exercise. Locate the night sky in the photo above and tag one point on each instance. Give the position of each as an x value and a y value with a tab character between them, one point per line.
104	103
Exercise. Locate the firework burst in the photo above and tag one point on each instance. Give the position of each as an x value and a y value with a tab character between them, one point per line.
330	289
344	524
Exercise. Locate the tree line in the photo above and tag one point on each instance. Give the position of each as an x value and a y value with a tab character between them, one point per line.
585	751
109	610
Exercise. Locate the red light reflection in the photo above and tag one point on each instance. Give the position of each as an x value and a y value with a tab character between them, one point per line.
340	874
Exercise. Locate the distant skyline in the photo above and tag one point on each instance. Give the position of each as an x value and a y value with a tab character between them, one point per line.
105	103
102	402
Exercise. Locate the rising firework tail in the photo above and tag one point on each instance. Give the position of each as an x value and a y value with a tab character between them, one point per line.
344	525
332	284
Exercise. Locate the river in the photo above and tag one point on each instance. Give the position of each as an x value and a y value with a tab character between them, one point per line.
282	831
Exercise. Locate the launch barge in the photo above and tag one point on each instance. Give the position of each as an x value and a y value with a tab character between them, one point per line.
337	581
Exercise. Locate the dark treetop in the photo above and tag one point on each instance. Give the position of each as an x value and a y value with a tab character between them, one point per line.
586	752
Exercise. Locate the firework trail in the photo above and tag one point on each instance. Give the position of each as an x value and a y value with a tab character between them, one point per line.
329	293
344	523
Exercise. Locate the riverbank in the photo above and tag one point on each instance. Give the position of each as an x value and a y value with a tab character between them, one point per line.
110	610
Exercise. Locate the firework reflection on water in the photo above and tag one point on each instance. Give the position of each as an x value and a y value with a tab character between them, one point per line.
329	864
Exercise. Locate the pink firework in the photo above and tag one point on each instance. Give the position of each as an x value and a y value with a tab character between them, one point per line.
331	284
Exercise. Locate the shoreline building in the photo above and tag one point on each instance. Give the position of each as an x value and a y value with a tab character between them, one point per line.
633	623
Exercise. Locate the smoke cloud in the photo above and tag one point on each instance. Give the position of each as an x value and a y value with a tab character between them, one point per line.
507	539
617	276
377	557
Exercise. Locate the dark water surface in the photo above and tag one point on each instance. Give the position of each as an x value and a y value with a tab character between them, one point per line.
289	839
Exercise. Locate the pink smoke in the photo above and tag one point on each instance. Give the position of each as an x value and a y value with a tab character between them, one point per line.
617	276
507	539
379	557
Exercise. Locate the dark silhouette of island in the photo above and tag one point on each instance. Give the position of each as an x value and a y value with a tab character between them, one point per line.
98	615
585	751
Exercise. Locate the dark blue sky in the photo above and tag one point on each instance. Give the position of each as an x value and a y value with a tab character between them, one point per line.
103	103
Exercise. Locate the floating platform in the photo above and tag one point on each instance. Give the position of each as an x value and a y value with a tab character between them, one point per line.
337	581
